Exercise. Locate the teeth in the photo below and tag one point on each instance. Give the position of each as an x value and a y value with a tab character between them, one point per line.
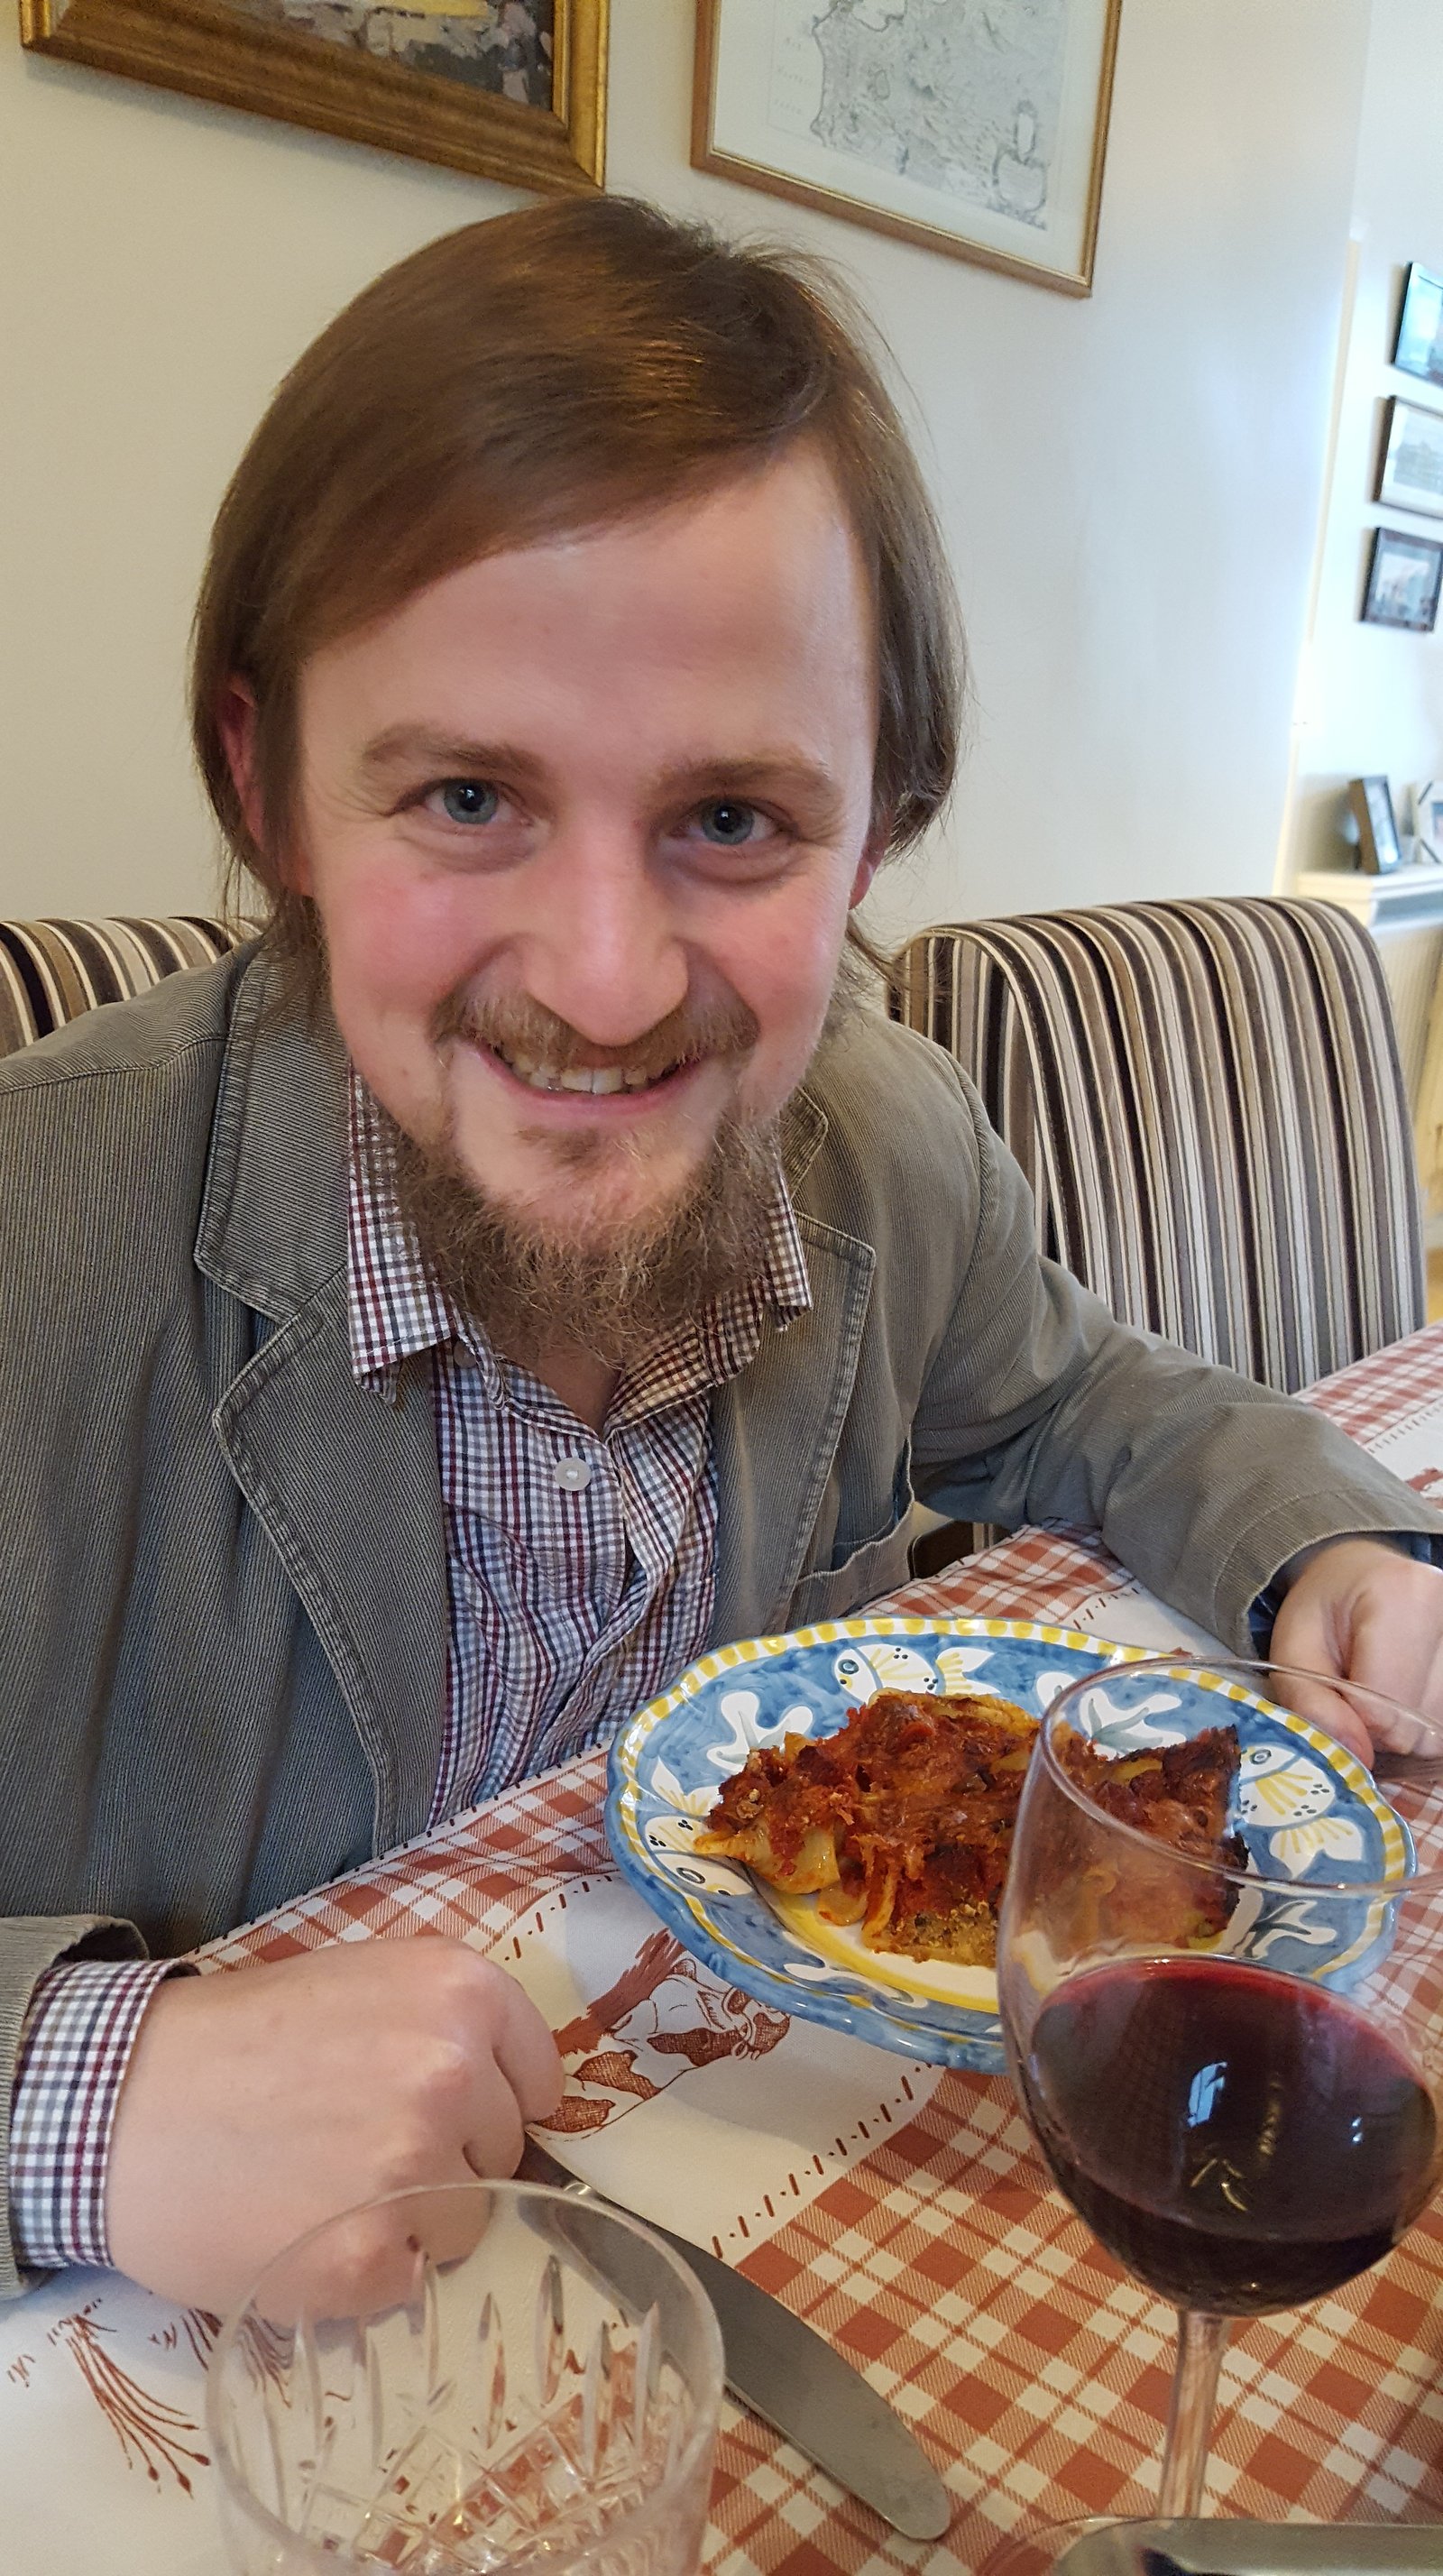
601	1079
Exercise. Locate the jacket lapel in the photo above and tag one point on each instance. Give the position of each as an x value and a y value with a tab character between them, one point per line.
777	1426
344	1482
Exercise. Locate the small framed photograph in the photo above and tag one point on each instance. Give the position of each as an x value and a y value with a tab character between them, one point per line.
508	89
1418	349
1428	819
1410	468
1370	803
1404	573
976	131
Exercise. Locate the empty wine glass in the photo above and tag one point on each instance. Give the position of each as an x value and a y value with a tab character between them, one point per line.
530	2379
1233	2065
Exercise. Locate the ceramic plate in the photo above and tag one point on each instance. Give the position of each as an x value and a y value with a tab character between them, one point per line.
1302	1803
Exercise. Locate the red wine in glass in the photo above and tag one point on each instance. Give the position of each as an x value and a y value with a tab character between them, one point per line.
1241	2140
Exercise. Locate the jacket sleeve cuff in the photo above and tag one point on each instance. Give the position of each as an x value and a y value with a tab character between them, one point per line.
1263	1610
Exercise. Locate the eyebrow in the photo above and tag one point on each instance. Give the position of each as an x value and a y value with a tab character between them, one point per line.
775	770
406	746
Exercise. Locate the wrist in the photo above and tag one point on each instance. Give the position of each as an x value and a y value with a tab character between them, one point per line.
1394	1542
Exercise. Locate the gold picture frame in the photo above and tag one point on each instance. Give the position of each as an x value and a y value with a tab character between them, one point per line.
242	53
762	66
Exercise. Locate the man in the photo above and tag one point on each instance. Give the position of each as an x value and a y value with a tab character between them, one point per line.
426	1332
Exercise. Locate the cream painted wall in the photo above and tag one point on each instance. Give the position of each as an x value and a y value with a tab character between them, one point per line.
1370	697
1130	484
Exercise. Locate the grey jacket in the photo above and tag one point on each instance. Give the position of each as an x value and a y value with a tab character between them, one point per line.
222	1561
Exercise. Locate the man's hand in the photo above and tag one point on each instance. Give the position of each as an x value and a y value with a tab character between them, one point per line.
1363	1611
260	2101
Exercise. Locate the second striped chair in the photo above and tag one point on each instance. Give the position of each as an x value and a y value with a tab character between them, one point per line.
1206	1098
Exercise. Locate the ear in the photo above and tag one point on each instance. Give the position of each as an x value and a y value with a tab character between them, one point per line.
874	850
235	718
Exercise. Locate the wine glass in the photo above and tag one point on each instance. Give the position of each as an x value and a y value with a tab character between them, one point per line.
1233	2066
464	2379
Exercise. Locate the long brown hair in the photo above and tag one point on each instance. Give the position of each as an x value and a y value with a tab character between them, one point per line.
533	376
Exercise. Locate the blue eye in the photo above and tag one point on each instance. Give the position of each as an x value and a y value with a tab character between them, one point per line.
469	800
728	823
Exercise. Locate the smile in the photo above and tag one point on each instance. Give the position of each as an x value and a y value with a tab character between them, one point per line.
599	1080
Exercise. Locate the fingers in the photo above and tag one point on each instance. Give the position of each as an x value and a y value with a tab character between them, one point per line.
509	2068
1328	1709
1396	1650
1306	1643
527	2054
1363	1613
371	2259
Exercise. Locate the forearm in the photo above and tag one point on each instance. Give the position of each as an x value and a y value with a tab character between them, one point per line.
1040	1407
1207	1486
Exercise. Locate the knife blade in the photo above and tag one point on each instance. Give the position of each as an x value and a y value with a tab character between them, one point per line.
781	2369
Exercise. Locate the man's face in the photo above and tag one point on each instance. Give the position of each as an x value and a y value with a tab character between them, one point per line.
583	822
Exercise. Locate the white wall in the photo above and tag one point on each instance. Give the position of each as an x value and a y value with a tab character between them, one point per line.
1130	484
1371	697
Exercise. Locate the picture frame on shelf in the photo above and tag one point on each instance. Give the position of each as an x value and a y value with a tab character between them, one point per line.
1428	820
1410	462
1418	346
513	90
1370	802
1404	576
980	133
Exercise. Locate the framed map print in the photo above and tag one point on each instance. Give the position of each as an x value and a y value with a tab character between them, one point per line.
508	89
976	127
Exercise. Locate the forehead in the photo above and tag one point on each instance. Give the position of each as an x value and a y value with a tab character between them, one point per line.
744	598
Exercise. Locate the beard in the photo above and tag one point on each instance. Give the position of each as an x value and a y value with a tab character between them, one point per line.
612	1287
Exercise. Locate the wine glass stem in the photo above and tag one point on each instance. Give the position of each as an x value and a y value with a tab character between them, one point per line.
1200	2343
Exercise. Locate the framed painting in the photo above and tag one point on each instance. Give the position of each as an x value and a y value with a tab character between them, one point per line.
1418	348
508	89
1410	466
1404	576
1370	801
976	130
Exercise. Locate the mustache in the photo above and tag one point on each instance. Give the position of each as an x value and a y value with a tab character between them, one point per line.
515	1025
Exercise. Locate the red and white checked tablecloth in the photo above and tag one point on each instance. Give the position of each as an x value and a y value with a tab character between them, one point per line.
1032	2370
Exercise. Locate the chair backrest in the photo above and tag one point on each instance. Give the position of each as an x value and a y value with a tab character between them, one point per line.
1207	1100
51	971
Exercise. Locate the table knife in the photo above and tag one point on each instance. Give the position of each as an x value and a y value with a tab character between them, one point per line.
786	2373
1201	2548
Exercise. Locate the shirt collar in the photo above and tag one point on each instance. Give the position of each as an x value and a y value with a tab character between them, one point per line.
396	1308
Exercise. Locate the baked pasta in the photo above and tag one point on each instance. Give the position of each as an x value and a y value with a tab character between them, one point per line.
902	1821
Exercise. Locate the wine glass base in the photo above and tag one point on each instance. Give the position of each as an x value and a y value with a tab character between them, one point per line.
1097	2546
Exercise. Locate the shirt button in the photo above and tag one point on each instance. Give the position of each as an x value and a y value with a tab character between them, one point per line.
573	1475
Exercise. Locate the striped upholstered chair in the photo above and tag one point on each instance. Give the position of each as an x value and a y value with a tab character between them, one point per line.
51	971
1207	1101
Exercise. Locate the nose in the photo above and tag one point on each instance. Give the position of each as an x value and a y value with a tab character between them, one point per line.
600	945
